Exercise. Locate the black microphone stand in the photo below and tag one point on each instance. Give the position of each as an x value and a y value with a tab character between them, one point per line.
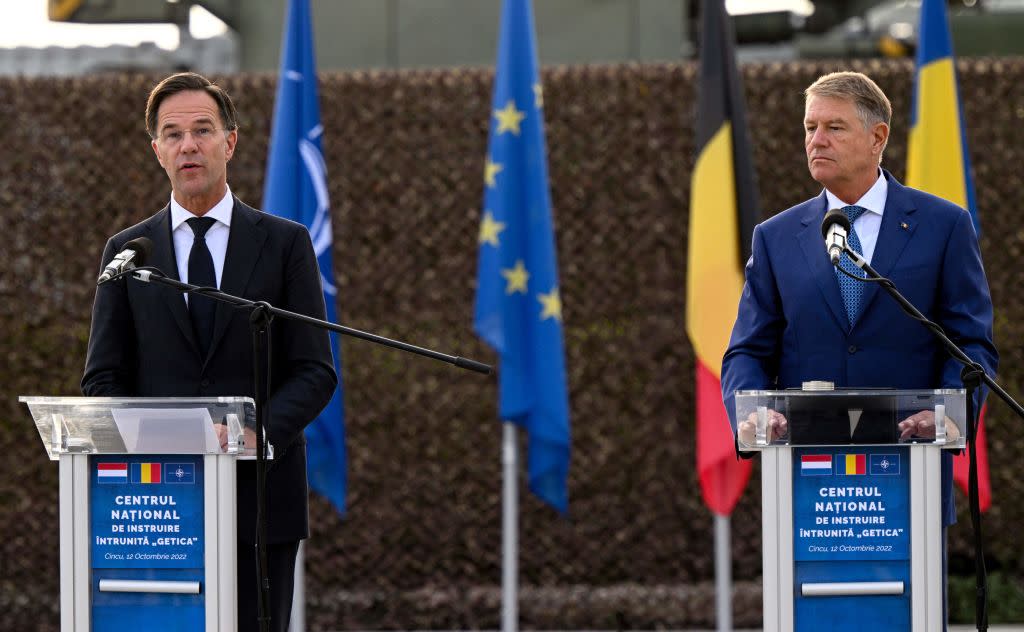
260	319
973	374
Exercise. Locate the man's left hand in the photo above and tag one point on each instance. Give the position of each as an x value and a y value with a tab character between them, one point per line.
922	424
248	434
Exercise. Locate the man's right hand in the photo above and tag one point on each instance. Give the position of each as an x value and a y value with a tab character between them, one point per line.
778	427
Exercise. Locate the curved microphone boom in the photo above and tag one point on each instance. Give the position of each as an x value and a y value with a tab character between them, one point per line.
133	254
834	228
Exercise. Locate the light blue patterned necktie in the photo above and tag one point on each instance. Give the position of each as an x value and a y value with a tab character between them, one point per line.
850	289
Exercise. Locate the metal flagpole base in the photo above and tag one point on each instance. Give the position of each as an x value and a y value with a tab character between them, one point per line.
297	622
510	531
723	574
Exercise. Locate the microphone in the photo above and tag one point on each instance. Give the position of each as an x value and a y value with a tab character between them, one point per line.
134	253
834	229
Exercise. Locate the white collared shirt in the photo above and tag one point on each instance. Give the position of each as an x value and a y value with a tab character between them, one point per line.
216	236
868	224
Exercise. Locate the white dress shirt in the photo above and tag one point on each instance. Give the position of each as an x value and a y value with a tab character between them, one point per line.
216	236
868	224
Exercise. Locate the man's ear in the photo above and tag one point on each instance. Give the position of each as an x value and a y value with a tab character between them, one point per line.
156	150
880	136
232	140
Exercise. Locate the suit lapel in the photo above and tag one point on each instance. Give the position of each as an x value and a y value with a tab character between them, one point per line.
894	234
245	242
163	258
813	246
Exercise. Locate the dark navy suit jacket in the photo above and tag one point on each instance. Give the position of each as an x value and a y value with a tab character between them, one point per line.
792	326
142	344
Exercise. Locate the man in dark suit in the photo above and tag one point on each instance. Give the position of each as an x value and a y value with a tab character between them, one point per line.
800	320
147	340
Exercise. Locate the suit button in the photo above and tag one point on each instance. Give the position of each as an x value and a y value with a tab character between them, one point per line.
852	348
204	383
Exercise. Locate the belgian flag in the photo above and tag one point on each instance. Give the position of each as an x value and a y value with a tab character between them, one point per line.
723	211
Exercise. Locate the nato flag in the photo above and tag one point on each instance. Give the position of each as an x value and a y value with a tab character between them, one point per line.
296	188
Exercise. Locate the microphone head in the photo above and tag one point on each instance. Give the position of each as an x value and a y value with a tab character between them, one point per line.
833	217
142	247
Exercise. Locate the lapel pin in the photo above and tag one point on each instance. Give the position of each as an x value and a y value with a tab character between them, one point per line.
904	226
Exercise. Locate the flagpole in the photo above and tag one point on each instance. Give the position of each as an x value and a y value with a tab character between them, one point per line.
297	622
723	574
510	530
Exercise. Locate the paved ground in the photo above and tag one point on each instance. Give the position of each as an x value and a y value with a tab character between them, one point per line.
952	628
1016	627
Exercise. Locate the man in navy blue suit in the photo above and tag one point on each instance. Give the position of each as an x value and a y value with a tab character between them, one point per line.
799	320
147	340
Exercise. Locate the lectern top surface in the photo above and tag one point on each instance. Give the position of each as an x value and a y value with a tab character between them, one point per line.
869	416
141	425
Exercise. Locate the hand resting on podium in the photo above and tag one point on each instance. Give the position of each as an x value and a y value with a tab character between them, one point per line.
222	435
922	425
777	427
918	425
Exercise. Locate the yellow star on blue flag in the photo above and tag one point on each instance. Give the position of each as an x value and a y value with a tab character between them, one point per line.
527	334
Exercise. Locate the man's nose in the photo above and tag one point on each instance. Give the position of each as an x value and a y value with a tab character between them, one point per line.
188	142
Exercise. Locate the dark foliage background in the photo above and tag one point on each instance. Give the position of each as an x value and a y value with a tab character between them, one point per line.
420	545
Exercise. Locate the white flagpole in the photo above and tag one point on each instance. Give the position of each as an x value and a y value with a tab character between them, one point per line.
723	575
510	531
297	623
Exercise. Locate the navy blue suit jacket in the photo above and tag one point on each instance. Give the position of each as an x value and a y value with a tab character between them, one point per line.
792	326
142	344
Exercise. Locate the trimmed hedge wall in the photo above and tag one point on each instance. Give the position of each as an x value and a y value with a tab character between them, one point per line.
420	545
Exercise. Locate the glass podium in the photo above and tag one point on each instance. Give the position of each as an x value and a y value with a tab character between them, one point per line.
851	509
147	508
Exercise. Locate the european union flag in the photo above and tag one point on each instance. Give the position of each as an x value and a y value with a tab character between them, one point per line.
296	188
518	305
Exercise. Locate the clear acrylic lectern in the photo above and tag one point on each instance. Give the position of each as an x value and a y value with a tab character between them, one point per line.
851	512
147	508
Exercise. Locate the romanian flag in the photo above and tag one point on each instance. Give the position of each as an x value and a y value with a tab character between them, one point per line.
146	472
852	465
723	208
937	162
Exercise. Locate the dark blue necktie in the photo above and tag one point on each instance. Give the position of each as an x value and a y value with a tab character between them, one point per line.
202	273
851	290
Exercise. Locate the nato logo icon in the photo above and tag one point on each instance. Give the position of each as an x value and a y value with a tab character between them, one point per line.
183	473
885	465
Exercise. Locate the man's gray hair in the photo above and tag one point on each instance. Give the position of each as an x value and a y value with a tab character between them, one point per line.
871	103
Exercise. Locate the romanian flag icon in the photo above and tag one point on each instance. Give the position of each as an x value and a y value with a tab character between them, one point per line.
146	472
852	464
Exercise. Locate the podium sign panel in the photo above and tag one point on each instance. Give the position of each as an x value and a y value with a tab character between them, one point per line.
144	518
851	514
852	511
851	522
147	509
146	525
